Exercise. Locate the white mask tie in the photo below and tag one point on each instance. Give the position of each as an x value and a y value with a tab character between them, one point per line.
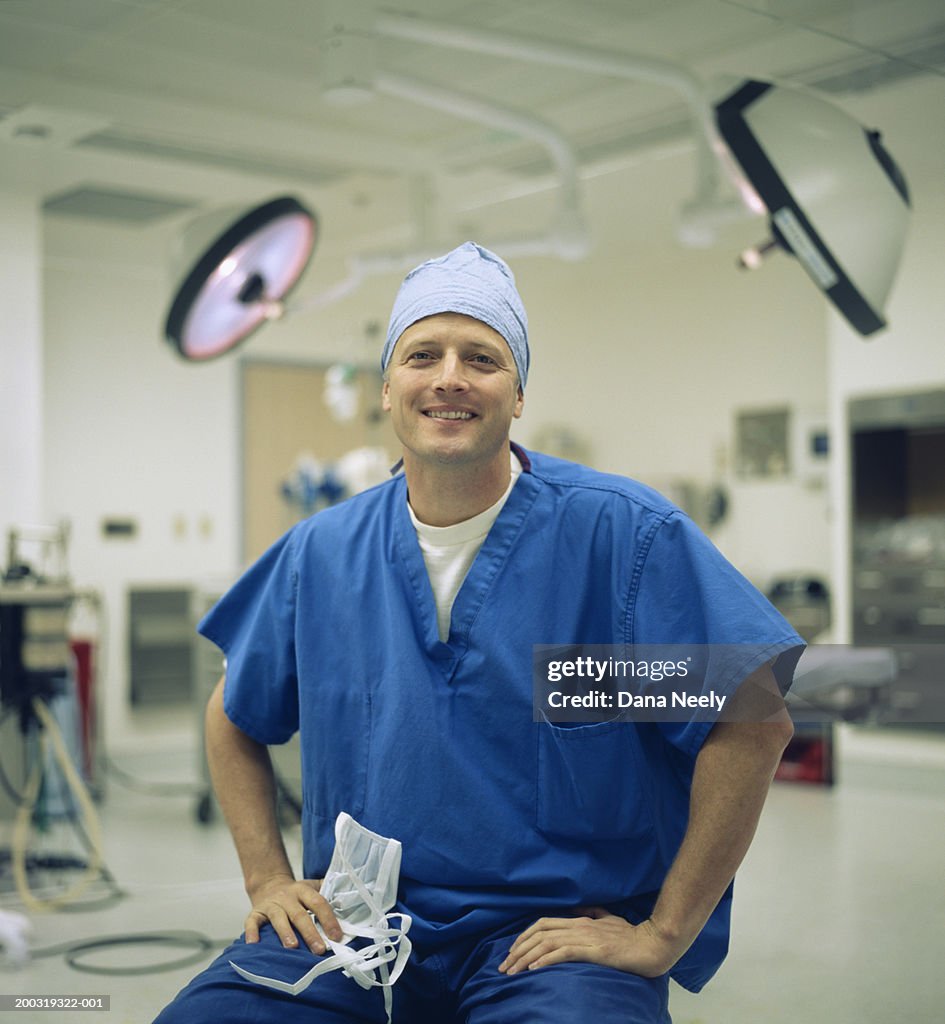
361	887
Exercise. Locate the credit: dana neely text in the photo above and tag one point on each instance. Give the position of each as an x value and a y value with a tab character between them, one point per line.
625	699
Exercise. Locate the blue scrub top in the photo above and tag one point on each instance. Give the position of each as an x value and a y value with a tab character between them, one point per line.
333	633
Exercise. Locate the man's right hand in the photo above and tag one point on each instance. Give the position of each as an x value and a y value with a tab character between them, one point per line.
285	903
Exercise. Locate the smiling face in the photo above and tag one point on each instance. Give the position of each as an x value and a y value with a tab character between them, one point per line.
452	392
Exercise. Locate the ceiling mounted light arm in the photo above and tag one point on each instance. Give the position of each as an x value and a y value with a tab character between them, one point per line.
580	58
360	267
567	236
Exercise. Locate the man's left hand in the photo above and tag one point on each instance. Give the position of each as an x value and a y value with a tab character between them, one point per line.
596	937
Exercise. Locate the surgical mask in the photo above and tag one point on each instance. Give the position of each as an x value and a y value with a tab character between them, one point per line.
361	887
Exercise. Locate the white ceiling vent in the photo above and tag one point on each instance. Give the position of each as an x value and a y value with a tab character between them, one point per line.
94	203
230	159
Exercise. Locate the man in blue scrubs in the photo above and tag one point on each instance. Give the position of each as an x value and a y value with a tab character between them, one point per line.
553	871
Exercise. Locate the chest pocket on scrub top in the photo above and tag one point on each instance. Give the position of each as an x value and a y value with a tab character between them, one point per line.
335	750
591	782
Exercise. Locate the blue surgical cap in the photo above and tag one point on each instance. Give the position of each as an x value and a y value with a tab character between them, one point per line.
470	280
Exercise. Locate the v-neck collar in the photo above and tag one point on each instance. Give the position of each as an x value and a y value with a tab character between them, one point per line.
479	580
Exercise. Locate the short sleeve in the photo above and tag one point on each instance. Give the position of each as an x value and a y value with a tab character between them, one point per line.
689	593
254	625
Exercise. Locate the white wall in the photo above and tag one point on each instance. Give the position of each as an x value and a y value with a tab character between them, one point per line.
135	434
646	350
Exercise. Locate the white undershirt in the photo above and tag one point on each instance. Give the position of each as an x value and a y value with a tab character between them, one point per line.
448	551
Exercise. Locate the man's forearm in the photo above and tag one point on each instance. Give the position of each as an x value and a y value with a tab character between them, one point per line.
243	780
733	773
245	786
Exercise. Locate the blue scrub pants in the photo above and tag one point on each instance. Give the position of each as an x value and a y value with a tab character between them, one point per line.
458	984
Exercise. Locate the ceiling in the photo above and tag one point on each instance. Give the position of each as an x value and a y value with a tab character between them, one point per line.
133	111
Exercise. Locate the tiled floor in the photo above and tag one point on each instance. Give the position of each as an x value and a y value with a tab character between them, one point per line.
839	911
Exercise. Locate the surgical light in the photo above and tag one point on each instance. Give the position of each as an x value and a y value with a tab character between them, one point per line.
245	267
835	198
